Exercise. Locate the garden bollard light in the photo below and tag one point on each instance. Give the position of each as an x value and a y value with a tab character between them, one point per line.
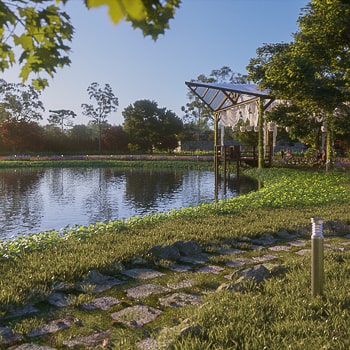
317	257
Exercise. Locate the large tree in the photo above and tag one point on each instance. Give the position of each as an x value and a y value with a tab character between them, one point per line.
105	102
36	34
313	70
20	102
151	127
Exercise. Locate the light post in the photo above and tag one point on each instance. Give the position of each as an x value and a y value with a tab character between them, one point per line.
317	257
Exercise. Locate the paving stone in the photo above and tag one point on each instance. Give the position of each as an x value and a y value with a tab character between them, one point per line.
145	290
136	316
142	274
264	258
182	284
180	299
29	346
239	262
256	247
211	269
147	344
303	252
52	327
298	243
179	268
280	248
229	251
195	260
265	239
93	341
103	303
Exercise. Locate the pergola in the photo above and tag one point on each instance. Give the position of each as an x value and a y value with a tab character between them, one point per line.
232	103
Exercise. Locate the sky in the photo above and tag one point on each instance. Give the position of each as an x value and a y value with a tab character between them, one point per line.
204	35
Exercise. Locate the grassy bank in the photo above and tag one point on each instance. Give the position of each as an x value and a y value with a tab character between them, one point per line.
278	315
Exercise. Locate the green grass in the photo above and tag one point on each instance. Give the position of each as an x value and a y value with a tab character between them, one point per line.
280	314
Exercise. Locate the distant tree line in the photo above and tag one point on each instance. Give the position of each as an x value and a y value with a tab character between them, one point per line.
147	127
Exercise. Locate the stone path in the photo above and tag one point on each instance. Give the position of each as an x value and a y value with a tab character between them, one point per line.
141	281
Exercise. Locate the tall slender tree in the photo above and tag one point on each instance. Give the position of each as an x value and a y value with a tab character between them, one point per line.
105	102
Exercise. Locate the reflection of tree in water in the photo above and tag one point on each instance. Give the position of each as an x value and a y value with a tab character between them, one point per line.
20	199
100	203
145	188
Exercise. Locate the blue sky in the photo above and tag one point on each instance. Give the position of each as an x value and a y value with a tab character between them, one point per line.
204	35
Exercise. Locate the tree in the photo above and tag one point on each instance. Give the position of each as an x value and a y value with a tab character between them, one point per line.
20	102
151	127
40	32
312	71
105	103
61	117
22	136
115	139
198	116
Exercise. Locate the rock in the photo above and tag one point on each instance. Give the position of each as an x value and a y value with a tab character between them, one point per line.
136	316
255	274
103	303
142	274
180	300
170	252
93	341
8	337
145	290
59	300
59	286
95	282
29	346
188	248
52	327
265	239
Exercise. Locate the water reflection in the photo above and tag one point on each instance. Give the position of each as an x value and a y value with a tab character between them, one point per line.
40	200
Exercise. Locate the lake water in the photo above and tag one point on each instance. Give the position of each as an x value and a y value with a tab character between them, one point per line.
33	201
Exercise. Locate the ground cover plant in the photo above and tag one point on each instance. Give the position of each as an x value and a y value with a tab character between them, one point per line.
280	314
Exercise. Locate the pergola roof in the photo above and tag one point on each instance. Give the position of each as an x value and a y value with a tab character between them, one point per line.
220	97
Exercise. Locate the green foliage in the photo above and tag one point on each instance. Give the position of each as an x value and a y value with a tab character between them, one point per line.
152	17
151	127
39	33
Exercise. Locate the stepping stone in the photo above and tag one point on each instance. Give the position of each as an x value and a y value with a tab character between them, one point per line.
96	340
181	284
95	282
303	252
264	258
145	290
239	262
147	344
29	346
229	251
280	248
136	316
52	327
298	243
103	303
195	260
142	274
179	268
180	300
211	269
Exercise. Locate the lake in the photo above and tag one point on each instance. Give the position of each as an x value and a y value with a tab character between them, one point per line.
40	200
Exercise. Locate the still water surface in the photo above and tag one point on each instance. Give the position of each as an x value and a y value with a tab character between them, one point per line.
33	201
